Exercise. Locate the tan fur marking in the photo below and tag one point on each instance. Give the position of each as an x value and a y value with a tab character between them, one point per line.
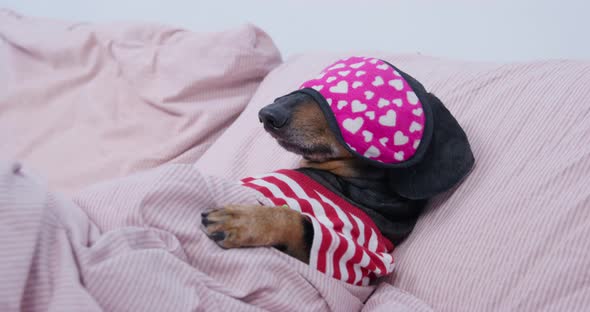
251	226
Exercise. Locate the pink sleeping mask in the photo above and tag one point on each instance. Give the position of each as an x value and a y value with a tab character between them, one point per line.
378	112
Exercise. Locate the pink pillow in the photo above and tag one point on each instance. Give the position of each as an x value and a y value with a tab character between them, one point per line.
80	103
514	234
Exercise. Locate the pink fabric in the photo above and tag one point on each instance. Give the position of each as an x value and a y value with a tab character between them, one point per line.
378	114
347	245
388	298
82	103
134	244
514	235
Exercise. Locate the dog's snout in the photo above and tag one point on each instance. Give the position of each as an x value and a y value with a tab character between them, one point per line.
274	116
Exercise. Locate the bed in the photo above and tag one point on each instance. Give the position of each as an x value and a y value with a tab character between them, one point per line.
100	123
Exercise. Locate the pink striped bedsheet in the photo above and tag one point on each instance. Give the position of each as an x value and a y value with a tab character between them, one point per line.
134	244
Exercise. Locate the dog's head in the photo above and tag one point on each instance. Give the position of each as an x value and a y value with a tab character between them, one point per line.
298	124
415	142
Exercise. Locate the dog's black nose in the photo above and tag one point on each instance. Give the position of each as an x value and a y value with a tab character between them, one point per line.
274	116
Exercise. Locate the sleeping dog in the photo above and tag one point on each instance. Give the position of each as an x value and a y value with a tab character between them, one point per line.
375	146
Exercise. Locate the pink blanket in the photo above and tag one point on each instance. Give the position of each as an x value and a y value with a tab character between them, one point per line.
82	103
140	249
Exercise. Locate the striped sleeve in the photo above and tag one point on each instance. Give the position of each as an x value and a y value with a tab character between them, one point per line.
346	245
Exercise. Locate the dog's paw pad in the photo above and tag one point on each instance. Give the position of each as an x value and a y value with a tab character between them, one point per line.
217	236
233	227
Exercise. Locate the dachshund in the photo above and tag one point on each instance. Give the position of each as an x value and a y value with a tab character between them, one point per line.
391	194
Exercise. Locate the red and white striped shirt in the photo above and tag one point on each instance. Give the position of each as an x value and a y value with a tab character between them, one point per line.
346	245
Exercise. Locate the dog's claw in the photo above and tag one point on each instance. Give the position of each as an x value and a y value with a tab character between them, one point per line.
217	236
205	220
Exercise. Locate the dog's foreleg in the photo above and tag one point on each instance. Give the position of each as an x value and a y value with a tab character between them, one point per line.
254	226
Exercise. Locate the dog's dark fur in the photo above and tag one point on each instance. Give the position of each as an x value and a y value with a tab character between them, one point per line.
298	125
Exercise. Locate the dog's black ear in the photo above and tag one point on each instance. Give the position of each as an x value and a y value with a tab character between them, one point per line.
446	162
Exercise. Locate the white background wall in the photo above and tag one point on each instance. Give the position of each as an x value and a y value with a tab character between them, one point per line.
500	30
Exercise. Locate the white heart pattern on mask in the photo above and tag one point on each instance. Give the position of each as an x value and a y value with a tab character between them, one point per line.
382	103
368	136
370	114
339	65
357	65
383	66
397	102
398	84
357	106
344	73
356	84
415	127
317	87
330	79
329	101
389	119
417	111
399	155
412	98
416	144
374	61
400	139
372	152
378	81
360	73
353	125
341	87
383	141
369	95
341	104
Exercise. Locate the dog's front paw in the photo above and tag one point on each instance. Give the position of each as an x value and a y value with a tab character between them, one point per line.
239	226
